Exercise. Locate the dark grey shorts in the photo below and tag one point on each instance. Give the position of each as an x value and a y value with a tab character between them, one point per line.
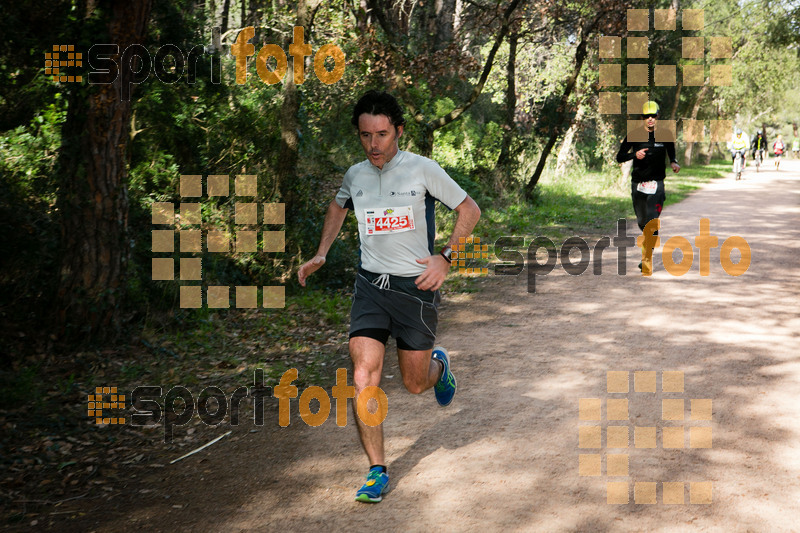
407	313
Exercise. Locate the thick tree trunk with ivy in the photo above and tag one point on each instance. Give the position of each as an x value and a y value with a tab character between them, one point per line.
441	15
286	165
92	196
566	154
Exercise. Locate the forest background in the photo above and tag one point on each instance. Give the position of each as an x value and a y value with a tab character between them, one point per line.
505	95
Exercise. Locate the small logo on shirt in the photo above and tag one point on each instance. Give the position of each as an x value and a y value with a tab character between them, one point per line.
360	193
404	193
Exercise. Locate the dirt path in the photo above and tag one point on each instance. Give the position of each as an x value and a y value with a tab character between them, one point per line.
506	455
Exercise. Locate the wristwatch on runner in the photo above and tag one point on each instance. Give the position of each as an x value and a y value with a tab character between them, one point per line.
446	252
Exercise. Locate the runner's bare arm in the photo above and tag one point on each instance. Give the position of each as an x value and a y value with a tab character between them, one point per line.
467	214
330	229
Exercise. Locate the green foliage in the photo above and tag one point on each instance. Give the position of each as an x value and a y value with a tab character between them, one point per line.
764	67
227	129
28	230
690	178
468	145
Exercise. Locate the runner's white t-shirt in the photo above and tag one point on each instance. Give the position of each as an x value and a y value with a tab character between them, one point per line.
395	210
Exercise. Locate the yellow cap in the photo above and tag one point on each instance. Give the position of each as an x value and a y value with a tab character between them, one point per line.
650	108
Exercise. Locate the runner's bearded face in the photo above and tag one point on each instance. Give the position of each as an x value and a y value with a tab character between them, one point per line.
378	138
650	122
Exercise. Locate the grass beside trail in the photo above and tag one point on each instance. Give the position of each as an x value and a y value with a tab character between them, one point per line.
689	179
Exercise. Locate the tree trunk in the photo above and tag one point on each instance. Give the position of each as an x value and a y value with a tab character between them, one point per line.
286	167
687	155
92	196
459	8
627	167
442	23
675	5
566	154
252	14
361	14
503	167
677	99
580	56
226	6
425	146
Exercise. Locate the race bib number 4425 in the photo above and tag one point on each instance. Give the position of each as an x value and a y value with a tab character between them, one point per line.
387	220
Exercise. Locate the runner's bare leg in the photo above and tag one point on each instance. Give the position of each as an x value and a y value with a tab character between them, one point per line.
419	371
367	356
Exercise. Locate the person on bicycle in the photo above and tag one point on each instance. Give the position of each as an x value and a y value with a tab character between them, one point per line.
759	145
778	147
739	143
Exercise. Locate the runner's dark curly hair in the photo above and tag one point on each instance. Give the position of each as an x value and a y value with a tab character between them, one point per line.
379	103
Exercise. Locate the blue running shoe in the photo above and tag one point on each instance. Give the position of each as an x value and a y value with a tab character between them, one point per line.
445	388
375	486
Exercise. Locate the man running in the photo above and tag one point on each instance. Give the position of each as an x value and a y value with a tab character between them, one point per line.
647	176
396	292
778	147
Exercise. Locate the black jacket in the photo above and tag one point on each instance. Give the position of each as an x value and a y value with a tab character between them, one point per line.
764	143
652	166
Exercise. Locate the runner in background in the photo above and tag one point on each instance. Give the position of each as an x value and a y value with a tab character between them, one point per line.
778	147
795	148
647	176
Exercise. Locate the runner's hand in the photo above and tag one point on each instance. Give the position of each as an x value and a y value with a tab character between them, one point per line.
675	167
309	268
641	153
435	272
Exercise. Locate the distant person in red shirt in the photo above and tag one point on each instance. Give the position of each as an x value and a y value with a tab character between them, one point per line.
778	147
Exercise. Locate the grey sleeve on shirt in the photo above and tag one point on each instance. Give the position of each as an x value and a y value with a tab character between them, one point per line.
442	187
343	197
